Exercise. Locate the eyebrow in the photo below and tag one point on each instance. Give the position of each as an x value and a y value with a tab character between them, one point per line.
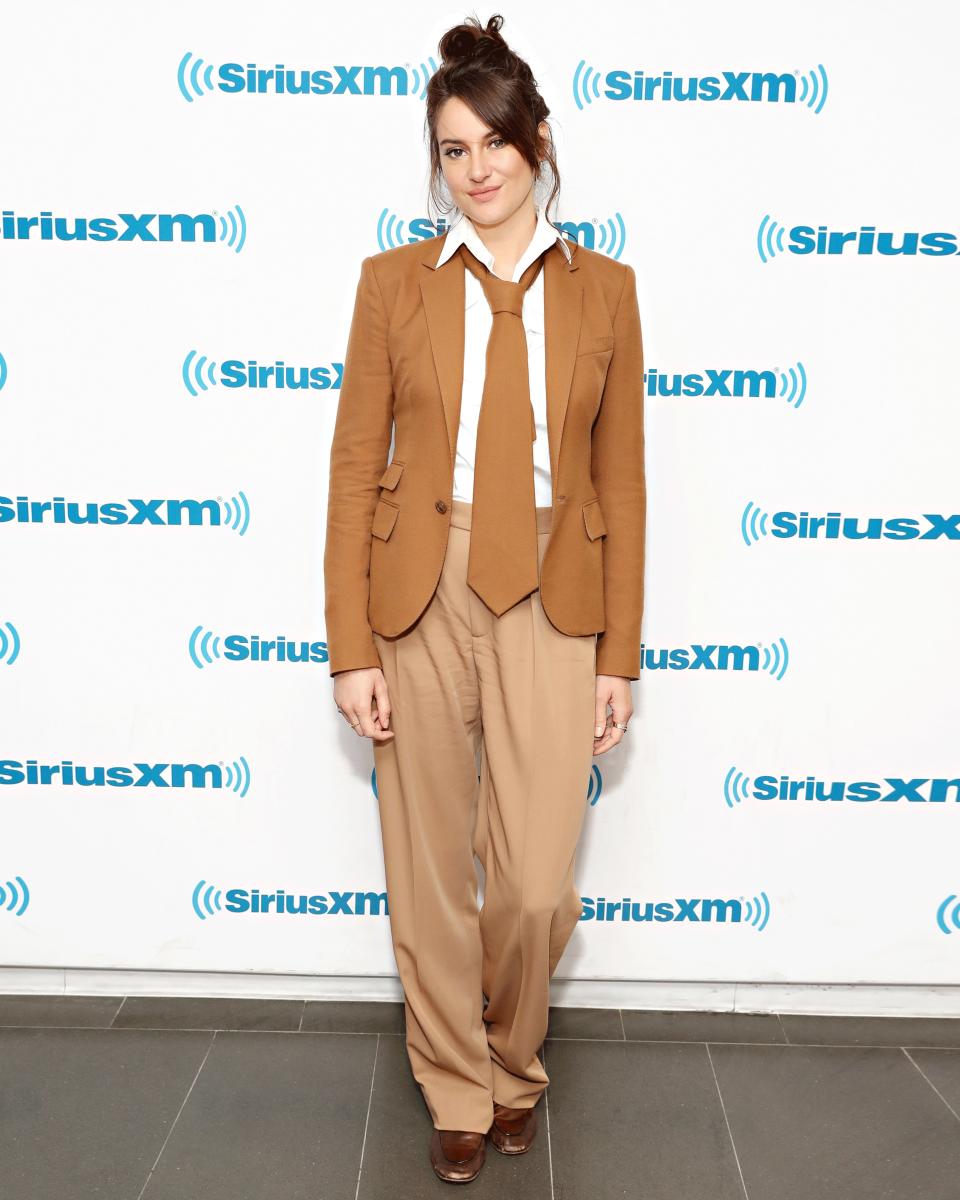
460	141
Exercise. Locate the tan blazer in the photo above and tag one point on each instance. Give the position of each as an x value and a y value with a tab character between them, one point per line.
387	524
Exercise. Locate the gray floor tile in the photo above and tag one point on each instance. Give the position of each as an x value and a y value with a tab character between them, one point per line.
271	1117
837	1123
209	1012
396	1158
353	1016
280	1107
643	1025
585	1023
871	1031
63	1012
83	1113
637	1119
941	1068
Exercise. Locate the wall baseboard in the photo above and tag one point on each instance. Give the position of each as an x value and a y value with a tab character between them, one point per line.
860	999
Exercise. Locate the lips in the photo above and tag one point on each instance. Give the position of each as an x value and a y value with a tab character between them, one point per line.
486	193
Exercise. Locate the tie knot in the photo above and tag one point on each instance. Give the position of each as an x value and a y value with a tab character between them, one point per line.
503	295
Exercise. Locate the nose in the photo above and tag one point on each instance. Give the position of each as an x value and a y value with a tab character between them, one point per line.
478	168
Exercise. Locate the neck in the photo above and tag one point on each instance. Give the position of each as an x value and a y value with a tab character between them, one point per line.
507	239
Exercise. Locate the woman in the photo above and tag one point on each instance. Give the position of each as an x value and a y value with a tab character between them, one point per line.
484	587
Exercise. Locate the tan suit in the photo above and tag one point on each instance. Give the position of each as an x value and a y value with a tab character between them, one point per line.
388	524
492	715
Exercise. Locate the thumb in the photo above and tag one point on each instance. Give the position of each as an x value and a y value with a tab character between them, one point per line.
382	696
600	722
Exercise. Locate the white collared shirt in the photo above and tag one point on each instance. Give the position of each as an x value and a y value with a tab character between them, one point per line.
478	321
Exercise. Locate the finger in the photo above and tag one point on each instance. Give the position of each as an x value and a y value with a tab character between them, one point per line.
622	712
611	737
602	744
366	727
369	727
600	714
350	716
382	703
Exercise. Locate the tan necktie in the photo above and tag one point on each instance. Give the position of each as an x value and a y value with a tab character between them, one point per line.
502	562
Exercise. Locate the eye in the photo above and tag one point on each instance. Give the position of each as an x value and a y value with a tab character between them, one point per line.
452	152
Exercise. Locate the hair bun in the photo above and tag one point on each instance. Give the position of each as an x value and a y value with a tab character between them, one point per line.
469	42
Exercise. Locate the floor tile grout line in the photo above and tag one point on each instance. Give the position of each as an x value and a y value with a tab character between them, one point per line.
203	1029
550	1038
302	1011
930	1082
123	1001
726	1120
546	1103
366	1124
146	1182
691	1041
786	1036
623	1028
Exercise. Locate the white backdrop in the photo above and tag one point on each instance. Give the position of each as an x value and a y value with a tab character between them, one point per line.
137	653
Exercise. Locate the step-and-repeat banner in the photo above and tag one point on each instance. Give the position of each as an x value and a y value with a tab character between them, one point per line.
183	194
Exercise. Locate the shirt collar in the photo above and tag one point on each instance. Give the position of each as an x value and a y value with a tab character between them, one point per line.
464	232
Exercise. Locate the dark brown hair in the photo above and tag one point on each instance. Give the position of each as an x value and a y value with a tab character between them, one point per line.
481	70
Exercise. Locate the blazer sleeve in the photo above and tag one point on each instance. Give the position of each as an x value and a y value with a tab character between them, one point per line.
358	456
618	470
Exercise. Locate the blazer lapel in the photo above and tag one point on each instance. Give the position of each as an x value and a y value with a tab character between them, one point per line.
443	293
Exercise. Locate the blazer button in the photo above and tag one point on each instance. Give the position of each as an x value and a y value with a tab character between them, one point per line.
441	506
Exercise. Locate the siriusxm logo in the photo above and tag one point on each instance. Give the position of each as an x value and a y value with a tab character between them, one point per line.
233	513
738	787
753	911
201	373
750	87
234	777
204	649
807	239
948	914
208	900
9	644
607	236
3	371
772	659
195	78
231	228
15	896
786	524
789	386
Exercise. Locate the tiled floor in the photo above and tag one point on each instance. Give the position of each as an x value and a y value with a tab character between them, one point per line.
109	1098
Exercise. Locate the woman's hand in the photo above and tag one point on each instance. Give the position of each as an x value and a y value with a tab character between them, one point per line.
361	695
615	691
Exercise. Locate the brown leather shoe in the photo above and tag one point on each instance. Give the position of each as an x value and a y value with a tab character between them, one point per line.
457	1154
513	1129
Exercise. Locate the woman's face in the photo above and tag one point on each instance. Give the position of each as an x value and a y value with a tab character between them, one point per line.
476	160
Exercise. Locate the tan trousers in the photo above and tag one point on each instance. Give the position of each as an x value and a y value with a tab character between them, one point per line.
520	694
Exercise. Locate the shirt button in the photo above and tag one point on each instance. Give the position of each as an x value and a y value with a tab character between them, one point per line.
441	506
561	497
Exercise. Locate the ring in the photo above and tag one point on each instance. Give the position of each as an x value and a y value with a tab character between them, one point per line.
343	714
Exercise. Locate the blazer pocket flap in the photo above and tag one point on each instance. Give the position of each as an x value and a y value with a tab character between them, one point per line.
384	518
593	519
391	476
593	345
